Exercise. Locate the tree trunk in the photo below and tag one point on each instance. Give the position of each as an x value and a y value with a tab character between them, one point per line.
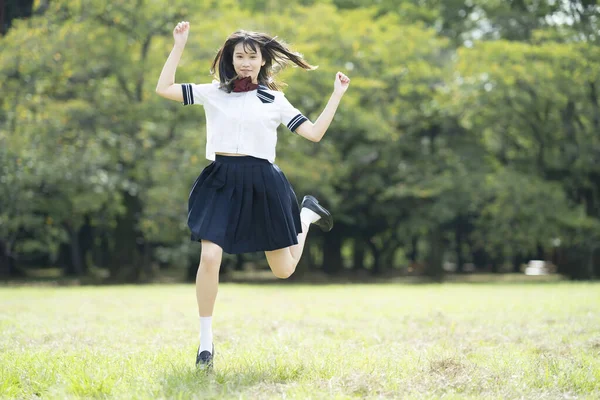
388	254
65	259
80	243
74	257
148	268
577	263
460	262
518	260
495	268
192	269
434	268
358	254
86	242
591	263
389	250
596	263
70	254
594	101
77	262
332	253
102	253
239	262
414	251
540	254
126	260
376	253
480	258
6	264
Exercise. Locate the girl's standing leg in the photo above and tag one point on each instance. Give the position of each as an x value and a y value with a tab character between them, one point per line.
207	283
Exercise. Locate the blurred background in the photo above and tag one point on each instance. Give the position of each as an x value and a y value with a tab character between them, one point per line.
467	144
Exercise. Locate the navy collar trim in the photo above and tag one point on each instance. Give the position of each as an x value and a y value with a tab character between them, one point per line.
263	95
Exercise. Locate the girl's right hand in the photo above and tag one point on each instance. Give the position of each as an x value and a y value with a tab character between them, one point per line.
180	33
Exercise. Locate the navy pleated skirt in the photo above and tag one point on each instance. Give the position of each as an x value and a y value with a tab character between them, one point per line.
244	204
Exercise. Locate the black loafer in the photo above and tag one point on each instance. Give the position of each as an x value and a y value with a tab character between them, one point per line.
326	221
204	360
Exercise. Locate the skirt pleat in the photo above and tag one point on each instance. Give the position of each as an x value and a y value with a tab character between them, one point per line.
244	204
281	199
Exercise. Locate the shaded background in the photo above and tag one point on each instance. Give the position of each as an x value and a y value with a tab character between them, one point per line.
468	142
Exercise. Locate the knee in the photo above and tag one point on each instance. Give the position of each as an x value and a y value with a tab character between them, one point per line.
284	272
210	260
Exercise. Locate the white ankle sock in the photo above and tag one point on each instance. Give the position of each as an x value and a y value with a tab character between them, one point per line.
206	336
308	216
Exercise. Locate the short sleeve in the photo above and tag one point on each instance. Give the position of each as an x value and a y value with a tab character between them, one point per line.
195	94
290	115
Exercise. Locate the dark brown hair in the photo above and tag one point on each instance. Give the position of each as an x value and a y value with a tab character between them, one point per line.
275	53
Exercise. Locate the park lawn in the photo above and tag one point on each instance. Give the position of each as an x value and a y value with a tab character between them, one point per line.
456	341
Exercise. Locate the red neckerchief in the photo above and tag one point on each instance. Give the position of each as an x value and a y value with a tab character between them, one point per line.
244	85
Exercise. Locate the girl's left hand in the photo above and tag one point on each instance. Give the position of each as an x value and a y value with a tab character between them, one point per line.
341	83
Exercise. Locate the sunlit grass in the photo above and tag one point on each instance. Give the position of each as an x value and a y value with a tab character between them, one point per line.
300	341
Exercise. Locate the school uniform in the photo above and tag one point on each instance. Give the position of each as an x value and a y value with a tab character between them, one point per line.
243	203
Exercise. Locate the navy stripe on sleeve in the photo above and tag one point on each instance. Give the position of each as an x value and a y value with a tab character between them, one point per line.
188	94
296	122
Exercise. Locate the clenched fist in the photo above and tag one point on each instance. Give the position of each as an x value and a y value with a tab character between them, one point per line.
341	83
180	33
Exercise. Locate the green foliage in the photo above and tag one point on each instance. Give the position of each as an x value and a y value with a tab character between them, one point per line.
440	127
536	109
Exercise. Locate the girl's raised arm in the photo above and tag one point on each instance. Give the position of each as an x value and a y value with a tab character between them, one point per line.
314	132
166	86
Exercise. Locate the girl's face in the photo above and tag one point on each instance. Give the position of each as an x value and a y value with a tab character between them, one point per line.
247	62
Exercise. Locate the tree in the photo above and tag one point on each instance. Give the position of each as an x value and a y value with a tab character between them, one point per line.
534	106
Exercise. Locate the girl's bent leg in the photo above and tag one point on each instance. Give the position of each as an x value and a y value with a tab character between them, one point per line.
283	262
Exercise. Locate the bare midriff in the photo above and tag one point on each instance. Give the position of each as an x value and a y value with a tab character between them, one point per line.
232	154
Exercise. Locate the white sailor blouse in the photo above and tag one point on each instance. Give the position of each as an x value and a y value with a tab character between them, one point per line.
242	122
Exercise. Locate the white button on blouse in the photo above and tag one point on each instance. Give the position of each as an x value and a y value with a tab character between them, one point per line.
244	123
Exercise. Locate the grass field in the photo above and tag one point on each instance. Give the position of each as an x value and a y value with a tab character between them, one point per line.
456	341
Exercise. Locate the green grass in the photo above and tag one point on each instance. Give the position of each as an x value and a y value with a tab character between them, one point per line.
455	341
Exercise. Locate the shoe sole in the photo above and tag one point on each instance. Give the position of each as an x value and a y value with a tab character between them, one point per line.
313	198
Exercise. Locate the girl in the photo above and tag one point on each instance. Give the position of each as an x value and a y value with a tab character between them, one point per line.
242	202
